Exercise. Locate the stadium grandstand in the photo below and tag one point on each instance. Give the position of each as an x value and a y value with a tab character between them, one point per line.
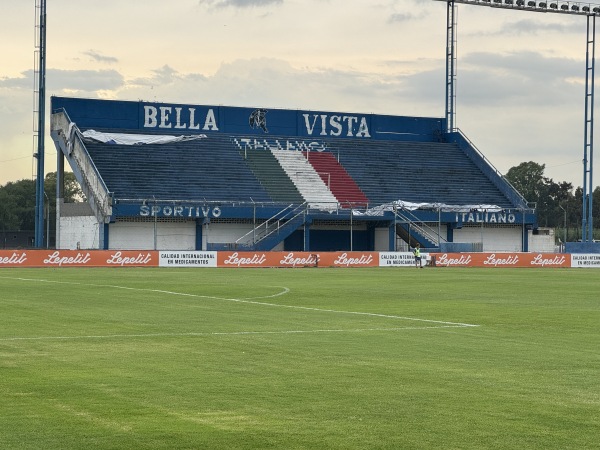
195	177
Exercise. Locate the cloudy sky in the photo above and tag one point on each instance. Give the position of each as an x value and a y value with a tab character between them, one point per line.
520	85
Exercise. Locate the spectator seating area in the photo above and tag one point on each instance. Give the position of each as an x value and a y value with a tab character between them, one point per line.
350	171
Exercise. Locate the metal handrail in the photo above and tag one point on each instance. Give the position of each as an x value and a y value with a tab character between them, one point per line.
276	218
420	226
276	229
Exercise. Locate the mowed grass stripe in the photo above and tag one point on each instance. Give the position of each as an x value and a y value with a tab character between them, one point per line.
526	378
313	315
233	333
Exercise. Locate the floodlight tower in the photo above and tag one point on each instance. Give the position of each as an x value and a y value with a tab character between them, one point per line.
553	6
40	116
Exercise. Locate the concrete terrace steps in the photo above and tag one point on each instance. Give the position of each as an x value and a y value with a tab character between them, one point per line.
272	176
416	171
210	169
305	178
214	168
337	179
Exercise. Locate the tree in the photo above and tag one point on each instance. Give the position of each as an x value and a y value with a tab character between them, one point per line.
528	178
8	217
18	205
554	200
17	201
72	191
596	210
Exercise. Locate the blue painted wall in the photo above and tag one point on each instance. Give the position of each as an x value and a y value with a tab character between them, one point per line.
173	118
331	240
582	247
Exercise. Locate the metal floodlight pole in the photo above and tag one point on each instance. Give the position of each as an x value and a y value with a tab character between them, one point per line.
589	10
588	147
451	25
39	185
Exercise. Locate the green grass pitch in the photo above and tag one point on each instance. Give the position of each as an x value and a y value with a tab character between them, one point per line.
385	358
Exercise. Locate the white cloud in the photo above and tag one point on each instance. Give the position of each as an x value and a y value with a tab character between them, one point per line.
527	27
519	86
72	80
98	57
271	83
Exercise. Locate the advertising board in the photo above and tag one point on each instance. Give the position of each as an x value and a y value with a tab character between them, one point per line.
187	259
502	260
77	258
150	258
586	261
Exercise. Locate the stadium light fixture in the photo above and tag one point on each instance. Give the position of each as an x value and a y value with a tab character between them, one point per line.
552	6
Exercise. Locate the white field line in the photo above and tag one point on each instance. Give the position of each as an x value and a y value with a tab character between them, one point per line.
252	301
219	333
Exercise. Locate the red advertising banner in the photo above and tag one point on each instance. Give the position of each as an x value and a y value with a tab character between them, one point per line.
129	258
350	259
78	258
502	259
298	259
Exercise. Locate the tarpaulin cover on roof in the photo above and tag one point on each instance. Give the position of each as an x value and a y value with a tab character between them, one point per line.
403	205
137	139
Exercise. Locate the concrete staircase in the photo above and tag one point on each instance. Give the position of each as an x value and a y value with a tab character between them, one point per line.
306	179
337	179
272	176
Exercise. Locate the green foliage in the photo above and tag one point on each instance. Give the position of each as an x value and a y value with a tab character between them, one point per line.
528	178
17	208
553	200
8	216
72	191
17	201
283	359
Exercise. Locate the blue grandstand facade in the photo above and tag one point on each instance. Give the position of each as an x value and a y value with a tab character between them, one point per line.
196	177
